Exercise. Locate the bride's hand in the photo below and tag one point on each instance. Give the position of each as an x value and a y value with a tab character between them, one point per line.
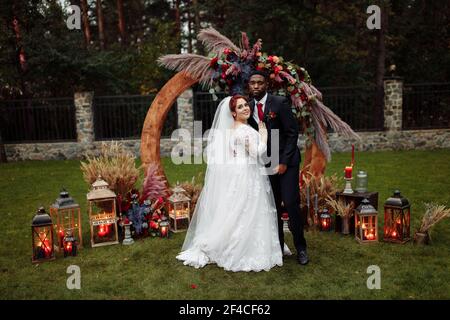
262	129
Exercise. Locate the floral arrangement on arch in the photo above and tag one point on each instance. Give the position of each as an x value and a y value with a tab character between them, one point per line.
228	68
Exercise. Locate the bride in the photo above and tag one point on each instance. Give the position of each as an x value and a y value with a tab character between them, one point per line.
235	220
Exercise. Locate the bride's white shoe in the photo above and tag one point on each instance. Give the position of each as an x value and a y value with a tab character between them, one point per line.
286	250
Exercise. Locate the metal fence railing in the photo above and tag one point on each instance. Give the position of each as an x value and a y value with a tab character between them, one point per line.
205	108
122	117
355	105
426	106
38	120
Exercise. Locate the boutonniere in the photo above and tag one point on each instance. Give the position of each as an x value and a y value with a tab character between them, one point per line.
270	115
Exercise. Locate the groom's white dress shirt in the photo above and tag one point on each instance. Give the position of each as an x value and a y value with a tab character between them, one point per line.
255	111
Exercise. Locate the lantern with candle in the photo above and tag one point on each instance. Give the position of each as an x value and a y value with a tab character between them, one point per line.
66	215
102	214
325	220
69	244
178	207
164	226
42	237
366	223
397	217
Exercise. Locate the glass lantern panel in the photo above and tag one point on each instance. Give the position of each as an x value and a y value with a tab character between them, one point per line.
103	207
42	242
104	233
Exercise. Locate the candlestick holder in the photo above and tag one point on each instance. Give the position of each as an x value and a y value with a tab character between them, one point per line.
128	239
348	186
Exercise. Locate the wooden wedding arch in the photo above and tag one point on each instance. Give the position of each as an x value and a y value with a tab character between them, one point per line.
313	160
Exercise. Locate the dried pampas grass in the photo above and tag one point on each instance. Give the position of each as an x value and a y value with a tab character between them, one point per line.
115	165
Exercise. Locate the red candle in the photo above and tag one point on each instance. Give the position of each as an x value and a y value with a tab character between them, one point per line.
103	230
348	172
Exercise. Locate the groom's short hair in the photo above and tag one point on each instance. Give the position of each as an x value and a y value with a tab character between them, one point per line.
261	73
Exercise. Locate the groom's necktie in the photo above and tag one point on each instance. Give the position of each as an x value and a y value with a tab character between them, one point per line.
260	111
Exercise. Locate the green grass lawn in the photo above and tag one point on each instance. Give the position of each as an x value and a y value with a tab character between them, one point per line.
148	269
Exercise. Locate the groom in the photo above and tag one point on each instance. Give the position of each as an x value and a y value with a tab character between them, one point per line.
276	113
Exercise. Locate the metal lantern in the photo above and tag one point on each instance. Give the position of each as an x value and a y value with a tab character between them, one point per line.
325	220
66	215
397	217
102	214
70	244
164	226
42	237
179	208
366	223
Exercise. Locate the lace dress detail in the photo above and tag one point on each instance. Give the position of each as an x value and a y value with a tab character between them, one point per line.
244	233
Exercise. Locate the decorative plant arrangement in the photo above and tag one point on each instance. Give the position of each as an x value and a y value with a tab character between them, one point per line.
193	189
115	165
314	193
345	211
433	214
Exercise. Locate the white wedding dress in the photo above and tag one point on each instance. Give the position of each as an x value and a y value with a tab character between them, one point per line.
235	221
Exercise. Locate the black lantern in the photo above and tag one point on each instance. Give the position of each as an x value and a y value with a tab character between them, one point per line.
397	217
66	216
70	244
366	223
164	227
325	220
42	237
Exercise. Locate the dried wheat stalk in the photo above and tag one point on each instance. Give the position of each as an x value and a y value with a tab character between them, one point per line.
433	214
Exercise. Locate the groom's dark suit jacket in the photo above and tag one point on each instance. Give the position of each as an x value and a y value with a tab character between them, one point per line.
278	115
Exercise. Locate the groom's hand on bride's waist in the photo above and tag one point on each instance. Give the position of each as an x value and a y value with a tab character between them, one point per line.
280	169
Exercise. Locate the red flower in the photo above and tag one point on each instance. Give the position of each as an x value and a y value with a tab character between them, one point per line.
213	61
270	58
225	67
126	221
227	51
272	115
224	76
277	69
284	216
193	286
303	96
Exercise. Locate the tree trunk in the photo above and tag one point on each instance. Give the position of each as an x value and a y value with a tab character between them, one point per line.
101	25
86	25
381	61
121	25
198	44
178	23
3	158
189	32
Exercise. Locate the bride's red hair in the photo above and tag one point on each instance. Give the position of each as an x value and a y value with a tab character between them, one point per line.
233	101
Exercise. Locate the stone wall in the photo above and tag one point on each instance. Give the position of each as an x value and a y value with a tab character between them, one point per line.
370	141
394	138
